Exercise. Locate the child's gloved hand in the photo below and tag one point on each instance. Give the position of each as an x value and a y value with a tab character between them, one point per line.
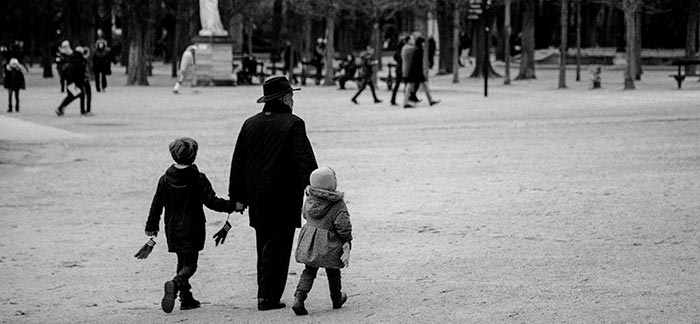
345	257
239	208
220	236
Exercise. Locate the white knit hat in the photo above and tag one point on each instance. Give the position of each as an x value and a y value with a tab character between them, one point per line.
323	178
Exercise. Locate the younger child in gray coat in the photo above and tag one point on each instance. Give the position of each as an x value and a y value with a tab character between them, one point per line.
324	241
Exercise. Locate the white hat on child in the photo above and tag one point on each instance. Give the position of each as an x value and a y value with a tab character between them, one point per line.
323	178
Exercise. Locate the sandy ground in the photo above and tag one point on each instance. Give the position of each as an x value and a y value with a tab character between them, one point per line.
534	205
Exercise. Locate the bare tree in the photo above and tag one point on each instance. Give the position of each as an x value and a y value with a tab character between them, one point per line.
630	7
508	31
527	63
691	36
564	20
456	29
140	16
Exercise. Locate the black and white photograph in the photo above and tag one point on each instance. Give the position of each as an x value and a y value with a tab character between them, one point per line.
350	161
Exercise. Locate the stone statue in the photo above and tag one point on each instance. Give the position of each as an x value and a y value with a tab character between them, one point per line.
211	21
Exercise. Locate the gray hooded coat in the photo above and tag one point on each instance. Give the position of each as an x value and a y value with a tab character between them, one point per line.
327	228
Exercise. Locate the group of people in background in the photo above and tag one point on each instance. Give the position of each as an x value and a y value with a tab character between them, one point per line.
75	65
409	71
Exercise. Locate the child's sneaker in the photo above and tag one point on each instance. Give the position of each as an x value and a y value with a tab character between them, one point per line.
168	301
187	301
338	303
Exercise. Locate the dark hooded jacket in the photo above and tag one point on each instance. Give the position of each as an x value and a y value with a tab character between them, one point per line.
327	228
270	167
182	192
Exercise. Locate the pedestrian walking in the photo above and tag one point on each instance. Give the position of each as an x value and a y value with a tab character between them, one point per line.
188	68
13	81
414	74
182	191
270	168
365	77
403	41
101	64
87	88
74	73
325	238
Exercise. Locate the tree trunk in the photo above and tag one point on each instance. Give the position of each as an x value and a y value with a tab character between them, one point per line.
691	35
456	28
139	18
377	45
564	20
479	51
527	64
638	44
507	32
330	45
578	40
630	12
445	13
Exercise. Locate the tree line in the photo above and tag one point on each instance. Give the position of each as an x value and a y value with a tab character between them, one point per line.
146	30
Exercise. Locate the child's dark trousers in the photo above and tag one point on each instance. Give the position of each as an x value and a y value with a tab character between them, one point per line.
306	281
186	267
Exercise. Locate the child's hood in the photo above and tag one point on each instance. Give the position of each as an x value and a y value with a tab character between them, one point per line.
318	201
180	178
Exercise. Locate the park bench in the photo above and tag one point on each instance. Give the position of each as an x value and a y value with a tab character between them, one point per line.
680	77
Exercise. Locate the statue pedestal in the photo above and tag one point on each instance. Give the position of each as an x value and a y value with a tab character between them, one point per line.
214	60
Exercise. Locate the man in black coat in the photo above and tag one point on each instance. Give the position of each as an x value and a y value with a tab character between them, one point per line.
75	72
270	168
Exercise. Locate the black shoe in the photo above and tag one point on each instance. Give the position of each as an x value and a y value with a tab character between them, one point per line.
187	301
298	307
408	106
9	109
266	304
393	103
16	108
59	112
414	99
434	102
377	101
338	303
168	301
353	101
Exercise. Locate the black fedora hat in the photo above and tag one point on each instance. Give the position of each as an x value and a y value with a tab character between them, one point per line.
275	87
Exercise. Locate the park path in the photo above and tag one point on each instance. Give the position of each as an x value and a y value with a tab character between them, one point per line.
534	205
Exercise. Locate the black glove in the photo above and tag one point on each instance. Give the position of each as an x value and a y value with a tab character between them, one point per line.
220	236
146	249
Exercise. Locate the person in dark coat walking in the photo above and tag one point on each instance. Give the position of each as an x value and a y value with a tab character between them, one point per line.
74	73
366	74
182	191
13	81
270	168
101	64
413	72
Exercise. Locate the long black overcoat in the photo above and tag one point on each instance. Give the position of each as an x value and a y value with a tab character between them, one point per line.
270	167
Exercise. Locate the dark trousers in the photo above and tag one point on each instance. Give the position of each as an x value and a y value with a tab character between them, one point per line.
100	80
306	281
363	84
274	247
9	99
88	96
186	267
397	84
70	97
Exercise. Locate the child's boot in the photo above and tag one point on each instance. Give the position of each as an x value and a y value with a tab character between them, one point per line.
168	301
338	301
187	301
298	306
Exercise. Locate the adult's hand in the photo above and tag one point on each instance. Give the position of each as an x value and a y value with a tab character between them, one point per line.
240	207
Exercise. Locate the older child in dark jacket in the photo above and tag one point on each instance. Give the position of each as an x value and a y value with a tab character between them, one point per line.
324	241
13	82
182	191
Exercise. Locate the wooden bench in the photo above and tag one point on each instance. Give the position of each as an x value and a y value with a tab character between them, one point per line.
680	77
